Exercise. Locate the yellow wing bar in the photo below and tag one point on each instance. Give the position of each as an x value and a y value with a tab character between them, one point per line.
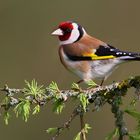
96	57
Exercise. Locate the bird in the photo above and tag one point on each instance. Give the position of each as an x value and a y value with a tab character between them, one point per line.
86	56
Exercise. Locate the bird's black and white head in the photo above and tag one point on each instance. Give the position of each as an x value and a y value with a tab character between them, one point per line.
69	32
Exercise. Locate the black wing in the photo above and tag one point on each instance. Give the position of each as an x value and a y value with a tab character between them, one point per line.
104	51
110	50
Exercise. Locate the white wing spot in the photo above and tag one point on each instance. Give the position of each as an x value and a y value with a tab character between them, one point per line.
119	53
111	50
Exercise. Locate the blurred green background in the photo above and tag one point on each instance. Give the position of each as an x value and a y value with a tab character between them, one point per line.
27	51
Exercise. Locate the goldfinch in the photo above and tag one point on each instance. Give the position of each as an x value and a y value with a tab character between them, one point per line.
86	56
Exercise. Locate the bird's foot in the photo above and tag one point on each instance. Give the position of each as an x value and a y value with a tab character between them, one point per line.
79	82
102	81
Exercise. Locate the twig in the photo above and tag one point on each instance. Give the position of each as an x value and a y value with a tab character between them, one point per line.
66	124
83	134
11	91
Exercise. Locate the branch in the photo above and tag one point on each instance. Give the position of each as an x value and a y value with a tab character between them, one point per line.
118	114
30	99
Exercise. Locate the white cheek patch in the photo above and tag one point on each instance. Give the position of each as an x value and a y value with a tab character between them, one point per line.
74	35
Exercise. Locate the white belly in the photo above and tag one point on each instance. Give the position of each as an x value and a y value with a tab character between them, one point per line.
98	69
103	68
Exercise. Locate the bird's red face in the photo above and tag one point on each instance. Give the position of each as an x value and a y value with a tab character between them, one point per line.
66	28
64	31
69	32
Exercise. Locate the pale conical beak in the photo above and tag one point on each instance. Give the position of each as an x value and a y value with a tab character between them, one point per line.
57	32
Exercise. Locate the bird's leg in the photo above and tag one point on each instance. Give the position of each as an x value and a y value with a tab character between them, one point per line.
102	81
80	81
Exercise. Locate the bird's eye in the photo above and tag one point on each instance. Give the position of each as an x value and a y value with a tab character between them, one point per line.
67	30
